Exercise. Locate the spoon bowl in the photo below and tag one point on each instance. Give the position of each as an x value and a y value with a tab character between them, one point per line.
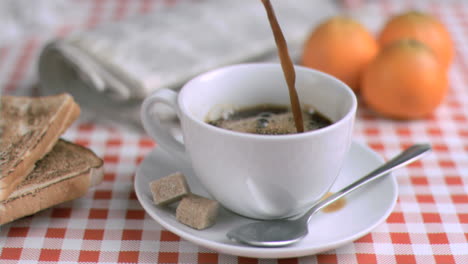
273	233
279	233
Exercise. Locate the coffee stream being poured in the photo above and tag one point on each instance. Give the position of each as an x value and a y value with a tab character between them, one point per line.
287	66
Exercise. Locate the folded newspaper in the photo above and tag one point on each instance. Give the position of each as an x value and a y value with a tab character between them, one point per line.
111	69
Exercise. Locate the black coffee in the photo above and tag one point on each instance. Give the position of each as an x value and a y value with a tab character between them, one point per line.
270	120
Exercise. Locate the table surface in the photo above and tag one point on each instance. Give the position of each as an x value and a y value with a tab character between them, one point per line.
428	225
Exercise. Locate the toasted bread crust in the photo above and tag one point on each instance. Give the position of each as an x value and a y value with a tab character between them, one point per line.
66	173
40	123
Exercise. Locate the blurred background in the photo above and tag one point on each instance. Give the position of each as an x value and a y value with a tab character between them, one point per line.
27	26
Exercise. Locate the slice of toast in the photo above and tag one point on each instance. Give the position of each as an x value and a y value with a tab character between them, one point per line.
64	174
29	128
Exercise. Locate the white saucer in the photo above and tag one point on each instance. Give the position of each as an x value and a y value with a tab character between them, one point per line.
365	209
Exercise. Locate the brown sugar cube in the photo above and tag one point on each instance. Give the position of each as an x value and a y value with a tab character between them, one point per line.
169	189
197	212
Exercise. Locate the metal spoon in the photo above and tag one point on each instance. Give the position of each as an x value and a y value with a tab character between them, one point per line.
278	233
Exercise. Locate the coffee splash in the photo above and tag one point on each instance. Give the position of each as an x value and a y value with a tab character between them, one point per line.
286	65
269	119
335	206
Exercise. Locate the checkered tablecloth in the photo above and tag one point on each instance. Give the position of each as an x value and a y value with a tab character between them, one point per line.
428	225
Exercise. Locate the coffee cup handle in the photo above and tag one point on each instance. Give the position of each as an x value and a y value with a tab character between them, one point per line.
156	128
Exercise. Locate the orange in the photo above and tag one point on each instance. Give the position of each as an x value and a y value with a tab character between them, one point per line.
405	81
342	47
423	27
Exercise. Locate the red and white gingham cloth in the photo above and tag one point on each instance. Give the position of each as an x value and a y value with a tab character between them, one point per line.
108	225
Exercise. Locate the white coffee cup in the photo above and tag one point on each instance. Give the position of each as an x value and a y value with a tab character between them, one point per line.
257	176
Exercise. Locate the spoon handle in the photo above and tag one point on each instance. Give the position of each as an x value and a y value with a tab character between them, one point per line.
409	155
